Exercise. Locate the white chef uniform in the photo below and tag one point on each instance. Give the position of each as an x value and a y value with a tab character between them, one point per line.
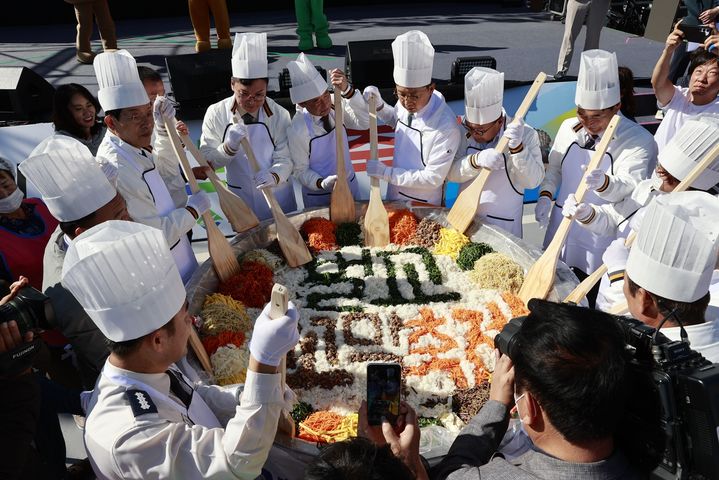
138	178
313	147
628	159
266	129
140	425
502	200
675	253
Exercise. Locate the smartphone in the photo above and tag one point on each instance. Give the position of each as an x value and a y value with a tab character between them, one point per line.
695	33
384	381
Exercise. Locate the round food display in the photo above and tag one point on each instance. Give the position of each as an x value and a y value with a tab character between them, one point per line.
432	300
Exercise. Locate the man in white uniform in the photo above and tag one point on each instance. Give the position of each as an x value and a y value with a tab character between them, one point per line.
248	113
312	135
485	120
123	153
144	418
680	104
79	196
631	153
427	136
670	268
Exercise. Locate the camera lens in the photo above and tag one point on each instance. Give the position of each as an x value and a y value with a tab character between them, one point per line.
507	338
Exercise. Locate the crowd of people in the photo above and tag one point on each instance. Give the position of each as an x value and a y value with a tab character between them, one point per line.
108	243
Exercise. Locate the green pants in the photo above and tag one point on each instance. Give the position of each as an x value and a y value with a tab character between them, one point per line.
311	18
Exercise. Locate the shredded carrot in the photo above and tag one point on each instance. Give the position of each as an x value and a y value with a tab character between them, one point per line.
213	342
516	305
252	286
325	427
427	324
498	320
474	337
402	226
320	234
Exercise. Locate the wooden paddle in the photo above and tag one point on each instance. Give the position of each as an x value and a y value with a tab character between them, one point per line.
223	258
467	203
581	290
240	216
342	203
376	221
278	308
291	243
540	278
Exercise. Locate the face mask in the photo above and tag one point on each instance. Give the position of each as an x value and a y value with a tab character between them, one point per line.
12	202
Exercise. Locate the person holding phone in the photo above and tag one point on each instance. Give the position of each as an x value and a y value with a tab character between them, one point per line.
682	103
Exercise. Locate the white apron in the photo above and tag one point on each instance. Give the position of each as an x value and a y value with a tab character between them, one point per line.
181	250
323	160
583	249
501	204
198	413
408	155
240	176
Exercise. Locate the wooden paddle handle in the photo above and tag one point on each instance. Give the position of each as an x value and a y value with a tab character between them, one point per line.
278	307
250	155
599	152
200	158
200	351
177	146
373	135
339	127
530	96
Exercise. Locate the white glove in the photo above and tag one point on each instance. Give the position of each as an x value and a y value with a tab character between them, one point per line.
235	134
615	256
542	209
272	339
577	211
328	182
264	179
489	158
372	91
199	201
163	109
377	169
595	178
514	133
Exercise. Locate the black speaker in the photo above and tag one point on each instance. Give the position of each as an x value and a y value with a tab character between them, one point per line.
24	96
199	80
370	62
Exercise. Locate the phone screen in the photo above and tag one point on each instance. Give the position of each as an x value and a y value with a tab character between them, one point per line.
383	392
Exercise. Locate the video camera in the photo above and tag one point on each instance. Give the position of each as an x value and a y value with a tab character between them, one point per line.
32	310
672	414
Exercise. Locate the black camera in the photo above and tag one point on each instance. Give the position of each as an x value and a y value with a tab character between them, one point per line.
32	310
672	415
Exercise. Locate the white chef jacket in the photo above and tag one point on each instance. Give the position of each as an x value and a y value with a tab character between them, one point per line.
502	199
218	119
168	166
132	186
633	150
355	116
147	436
610	217
440	142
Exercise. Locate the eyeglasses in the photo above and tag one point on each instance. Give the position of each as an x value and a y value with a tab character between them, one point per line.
582	114
139	118
411	97
258	97
480	131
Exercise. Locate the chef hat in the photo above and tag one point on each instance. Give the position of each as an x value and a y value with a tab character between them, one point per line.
598	80
413	59
125	278
307	83
5	165
676	247
687	148
70	181
249	56
483	90
118	80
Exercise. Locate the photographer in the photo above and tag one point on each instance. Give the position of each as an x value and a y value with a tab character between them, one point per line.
566	377
680	103
19	404
670	267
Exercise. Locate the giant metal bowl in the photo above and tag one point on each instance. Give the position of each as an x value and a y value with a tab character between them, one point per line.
204	281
